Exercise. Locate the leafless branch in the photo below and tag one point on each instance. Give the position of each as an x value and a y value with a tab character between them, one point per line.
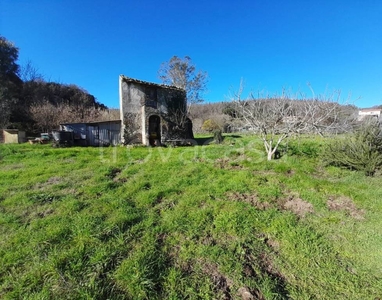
276	118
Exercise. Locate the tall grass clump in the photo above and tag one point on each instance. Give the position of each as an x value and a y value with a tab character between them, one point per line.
218	137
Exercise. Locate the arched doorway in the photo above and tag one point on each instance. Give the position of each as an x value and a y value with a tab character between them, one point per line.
154	130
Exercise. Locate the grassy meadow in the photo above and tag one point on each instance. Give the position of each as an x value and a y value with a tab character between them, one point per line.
203	222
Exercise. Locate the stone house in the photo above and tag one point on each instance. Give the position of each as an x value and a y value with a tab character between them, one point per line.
152	114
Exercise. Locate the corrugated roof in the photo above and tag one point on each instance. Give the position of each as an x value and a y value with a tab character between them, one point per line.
129	79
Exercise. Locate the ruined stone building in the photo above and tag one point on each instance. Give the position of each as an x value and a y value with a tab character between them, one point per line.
152	114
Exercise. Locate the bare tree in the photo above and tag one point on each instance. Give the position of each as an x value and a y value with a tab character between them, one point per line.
202	112
48	117
28	72
45	115
277	118
182	73
110	114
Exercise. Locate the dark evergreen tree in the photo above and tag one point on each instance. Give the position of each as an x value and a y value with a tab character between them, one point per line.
10	83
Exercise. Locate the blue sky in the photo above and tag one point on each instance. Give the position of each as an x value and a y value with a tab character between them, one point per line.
335	45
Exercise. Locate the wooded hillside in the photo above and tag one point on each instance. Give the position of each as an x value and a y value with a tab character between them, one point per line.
30	103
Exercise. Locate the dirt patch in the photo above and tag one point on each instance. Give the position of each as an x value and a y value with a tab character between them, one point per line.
346	204
51	181
273	244
222	163
290	173
296	205
247	294
14	167
226	163
45	213
69	160
54	180
263	263
208	240
30	215
268	267
252	199
120	180
113	173
222	283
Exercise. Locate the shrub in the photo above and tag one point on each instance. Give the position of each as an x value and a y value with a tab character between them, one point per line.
360	151
308	148
210	125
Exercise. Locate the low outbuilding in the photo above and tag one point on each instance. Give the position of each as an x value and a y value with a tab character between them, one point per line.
369	113
12	136
94	133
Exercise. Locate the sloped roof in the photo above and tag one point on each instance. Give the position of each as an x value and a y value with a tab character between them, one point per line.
10	130
132	80
370	110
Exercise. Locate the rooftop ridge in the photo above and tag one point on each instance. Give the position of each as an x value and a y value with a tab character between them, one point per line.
370	109
129	79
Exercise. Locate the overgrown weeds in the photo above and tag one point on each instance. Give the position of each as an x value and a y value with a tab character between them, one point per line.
360	151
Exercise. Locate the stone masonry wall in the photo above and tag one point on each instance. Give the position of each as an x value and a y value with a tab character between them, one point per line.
139	100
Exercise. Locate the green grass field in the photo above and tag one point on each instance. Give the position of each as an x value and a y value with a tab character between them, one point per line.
203	222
